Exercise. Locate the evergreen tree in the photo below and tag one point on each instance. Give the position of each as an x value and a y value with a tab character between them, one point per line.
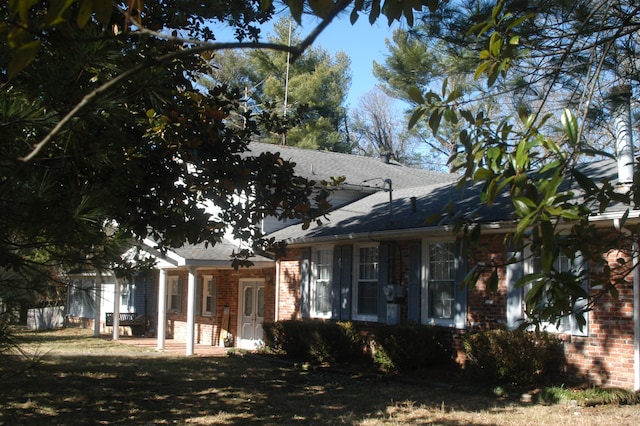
315	86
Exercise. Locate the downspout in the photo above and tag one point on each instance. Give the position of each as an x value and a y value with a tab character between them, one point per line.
277	285
636	314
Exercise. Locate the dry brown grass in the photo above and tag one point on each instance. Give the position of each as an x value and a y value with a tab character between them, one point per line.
84	380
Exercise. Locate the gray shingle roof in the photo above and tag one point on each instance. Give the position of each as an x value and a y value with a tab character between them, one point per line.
372	215
220	251
358	170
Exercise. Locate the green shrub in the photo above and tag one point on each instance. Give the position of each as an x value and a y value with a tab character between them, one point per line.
410	347
514	357
315	340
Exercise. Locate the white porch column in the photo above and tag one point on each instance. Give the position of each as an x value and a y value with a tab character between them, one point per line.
116	309
161	328
98	304
191	311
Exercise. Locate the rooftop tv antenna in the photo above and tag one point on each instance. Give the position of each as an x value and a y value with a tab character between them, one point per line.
286	83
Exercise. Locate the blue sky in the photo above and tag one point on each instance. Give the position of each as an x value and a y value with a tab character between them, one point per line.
363	43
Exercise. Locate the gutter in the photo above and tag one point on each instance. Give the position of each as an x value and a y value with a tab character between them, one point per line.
412	233
409	233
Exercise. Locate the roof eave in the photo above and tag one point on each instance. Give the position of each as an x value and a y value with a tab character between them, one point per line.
403	234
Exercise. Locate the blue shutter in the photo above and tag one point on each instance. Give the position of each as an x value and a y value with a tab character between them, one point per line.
383	279
342	257
460	315
180	295
199	290
305	277
139	293
336	283
580	266
514	270
413	301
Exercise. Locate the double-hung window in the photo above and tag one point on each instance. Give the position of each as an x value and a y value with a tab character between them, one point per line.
209	292
516	296
321	284
174	295
440	283
126	296
366	283
562	264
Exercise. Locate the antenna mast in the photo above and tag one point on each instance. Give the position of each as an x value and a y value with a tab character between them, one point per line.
286	84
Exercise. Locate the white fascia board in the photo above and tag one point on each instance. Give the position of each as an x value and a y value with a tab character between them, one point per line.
403	234
607	216
90	274
224	264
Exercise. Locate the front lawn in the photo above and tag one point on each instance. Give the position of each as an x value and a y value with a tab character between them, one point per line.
84	380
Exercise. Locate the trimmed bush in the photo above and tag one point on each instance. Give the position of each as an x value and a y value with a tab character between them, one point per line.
315	341
410	347
516	357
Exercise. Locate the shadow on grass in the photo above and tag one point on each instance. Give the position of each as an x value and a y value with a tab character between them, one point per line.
103	382
235	390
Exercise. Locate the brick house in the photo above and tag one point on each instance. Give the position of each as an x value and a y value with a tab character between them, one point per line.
201	298
247	297
378	261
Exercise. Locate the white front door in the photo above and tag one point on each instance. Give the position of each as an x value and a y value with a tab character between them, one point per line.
251	315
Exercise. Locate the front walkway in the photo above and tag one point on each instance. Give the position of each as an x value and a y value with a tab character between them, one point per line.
173	347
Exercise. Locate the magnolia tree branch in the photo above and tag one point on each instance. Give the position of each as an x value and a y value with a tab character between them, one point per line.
198	47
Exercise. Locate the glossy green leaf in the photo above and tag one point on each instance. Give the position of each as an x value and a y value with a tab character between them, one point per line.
417	115
415	95
375	11
55	11
296	7
570	126
493	281
434	120
22	57
103	10
321	8
495	44
84	13
23	8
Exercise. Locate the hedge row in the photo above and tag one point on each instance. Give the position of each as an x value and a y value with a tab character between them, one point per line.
392	348
494	356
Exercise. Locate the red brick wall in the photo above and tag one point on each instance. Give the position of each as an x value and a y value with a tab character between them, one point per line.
605	357
289	290
488	309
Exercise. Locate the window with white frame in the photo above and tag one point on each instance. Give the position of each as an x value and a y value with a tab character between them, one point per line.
174	295
209	295
440	283
366	283
126	296
321	284
562	264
